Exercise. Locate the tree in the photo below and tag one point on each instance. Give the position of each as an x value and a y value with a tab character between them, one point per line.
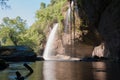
11	29
42	5
52	2
3	4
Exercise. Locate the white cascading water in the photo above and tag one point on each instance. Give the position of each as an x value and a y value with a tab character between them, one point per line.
68	18
48	50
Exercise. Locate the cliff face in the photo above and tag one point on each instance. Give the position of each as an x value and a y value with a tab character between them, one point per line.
103	16
109	27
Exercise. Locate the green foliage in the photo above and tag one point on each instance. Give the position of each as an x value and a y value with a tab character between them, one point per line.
52	2
51	14
14	32
11	29
34	37
42	5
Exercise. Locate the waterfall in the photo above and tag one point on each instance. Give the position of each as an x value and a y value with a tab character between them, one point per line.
69	15
48	50
68	18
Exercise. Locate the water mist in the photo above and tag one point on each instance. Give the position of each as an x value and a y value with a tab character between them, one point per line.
48	50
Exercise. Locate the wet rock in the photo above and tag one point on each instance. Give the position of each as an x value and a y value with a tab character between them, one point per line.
17	53
40	58
3	64
100	51
94	58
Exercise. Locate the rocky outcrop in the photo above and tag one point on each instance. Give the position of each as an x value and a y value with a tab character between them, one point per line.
103	16
3	64
17	53
62	47
100	51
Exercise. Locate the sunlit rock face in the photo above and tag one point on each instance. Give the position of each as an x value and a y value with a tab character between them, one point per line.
104	15
100	51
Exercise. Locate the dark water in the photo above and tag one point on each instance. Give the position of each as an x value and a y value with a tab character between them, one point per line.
64	70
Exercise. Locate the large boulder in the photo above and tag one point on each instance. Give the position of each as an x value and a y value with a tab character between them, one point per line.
17	53
100	51
3	64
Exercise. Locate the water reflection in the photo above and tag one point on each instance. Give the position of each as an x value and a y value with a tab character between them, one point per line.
9	73
99	70
67	71
49	70
64	70
38	71
20	77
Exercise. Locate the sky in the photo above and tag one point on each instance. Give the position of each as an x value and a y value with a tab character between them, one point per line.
26	9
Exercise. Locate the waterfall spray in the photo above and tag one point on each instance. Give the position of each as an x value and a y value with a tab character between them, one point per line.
48	50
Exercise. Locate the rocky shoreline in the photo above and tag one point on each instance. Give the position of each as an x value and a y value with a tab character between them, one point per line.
3	65
17	54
